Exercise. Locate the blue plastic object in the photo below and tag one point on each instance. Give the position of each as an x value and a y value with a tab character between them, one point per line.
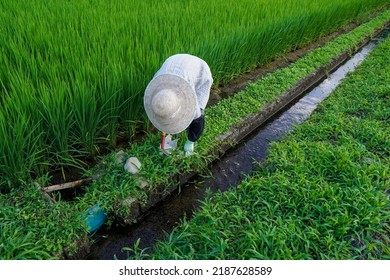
95	217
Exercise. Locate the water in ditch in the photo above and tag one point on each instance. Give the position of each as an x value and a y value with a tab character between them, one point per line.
226	173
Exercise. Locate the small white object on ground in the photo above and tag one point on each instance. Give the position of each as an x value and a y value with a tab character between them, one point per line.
132	165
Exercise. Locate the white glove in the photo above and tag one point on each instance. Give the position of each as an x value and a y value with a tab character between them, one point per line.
189	147
169	143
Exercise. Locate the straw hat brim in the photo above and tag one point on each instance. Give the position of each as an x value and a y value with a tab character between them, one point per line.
185	96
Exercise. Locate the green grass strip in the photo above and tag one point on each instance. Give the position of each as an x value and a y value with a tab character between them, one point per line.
322	194
32	228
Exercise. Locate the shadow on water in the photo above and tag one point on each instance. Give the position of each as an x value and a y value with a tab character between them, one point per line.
226	173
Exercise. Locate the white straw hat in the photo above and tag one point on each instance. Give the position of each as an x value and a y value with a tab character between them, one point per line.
170	103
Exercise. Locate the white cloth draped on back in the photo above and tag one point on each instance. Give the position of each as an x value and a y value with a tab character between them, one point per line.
194	71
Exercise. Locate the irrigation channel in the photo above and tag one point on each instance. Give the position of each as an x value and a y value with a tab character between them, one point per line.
226	173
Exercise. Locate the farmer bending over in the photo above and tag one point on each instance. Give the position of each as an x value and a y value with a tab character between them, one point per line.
177	95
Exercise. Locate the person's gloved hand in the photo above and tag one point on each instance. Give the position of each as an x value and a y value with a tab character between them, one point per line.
189	147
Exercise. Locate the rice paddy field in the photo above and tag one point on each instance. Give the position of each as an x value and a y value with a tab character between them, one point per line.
73	73
72	78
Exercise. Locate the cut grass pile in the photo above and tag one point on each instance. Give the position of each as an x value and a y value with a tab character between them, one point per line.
323	192
51	228
72	73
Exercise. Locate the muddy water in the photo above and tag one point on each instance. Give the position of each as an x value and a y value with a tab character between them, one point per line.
226	173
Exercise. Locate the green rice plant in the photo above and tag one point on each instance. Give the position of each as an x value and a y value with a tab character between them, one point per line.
22	149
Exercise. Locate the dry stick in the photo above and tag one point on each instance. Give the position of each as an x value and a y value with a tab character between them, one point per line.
45	195
67	185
